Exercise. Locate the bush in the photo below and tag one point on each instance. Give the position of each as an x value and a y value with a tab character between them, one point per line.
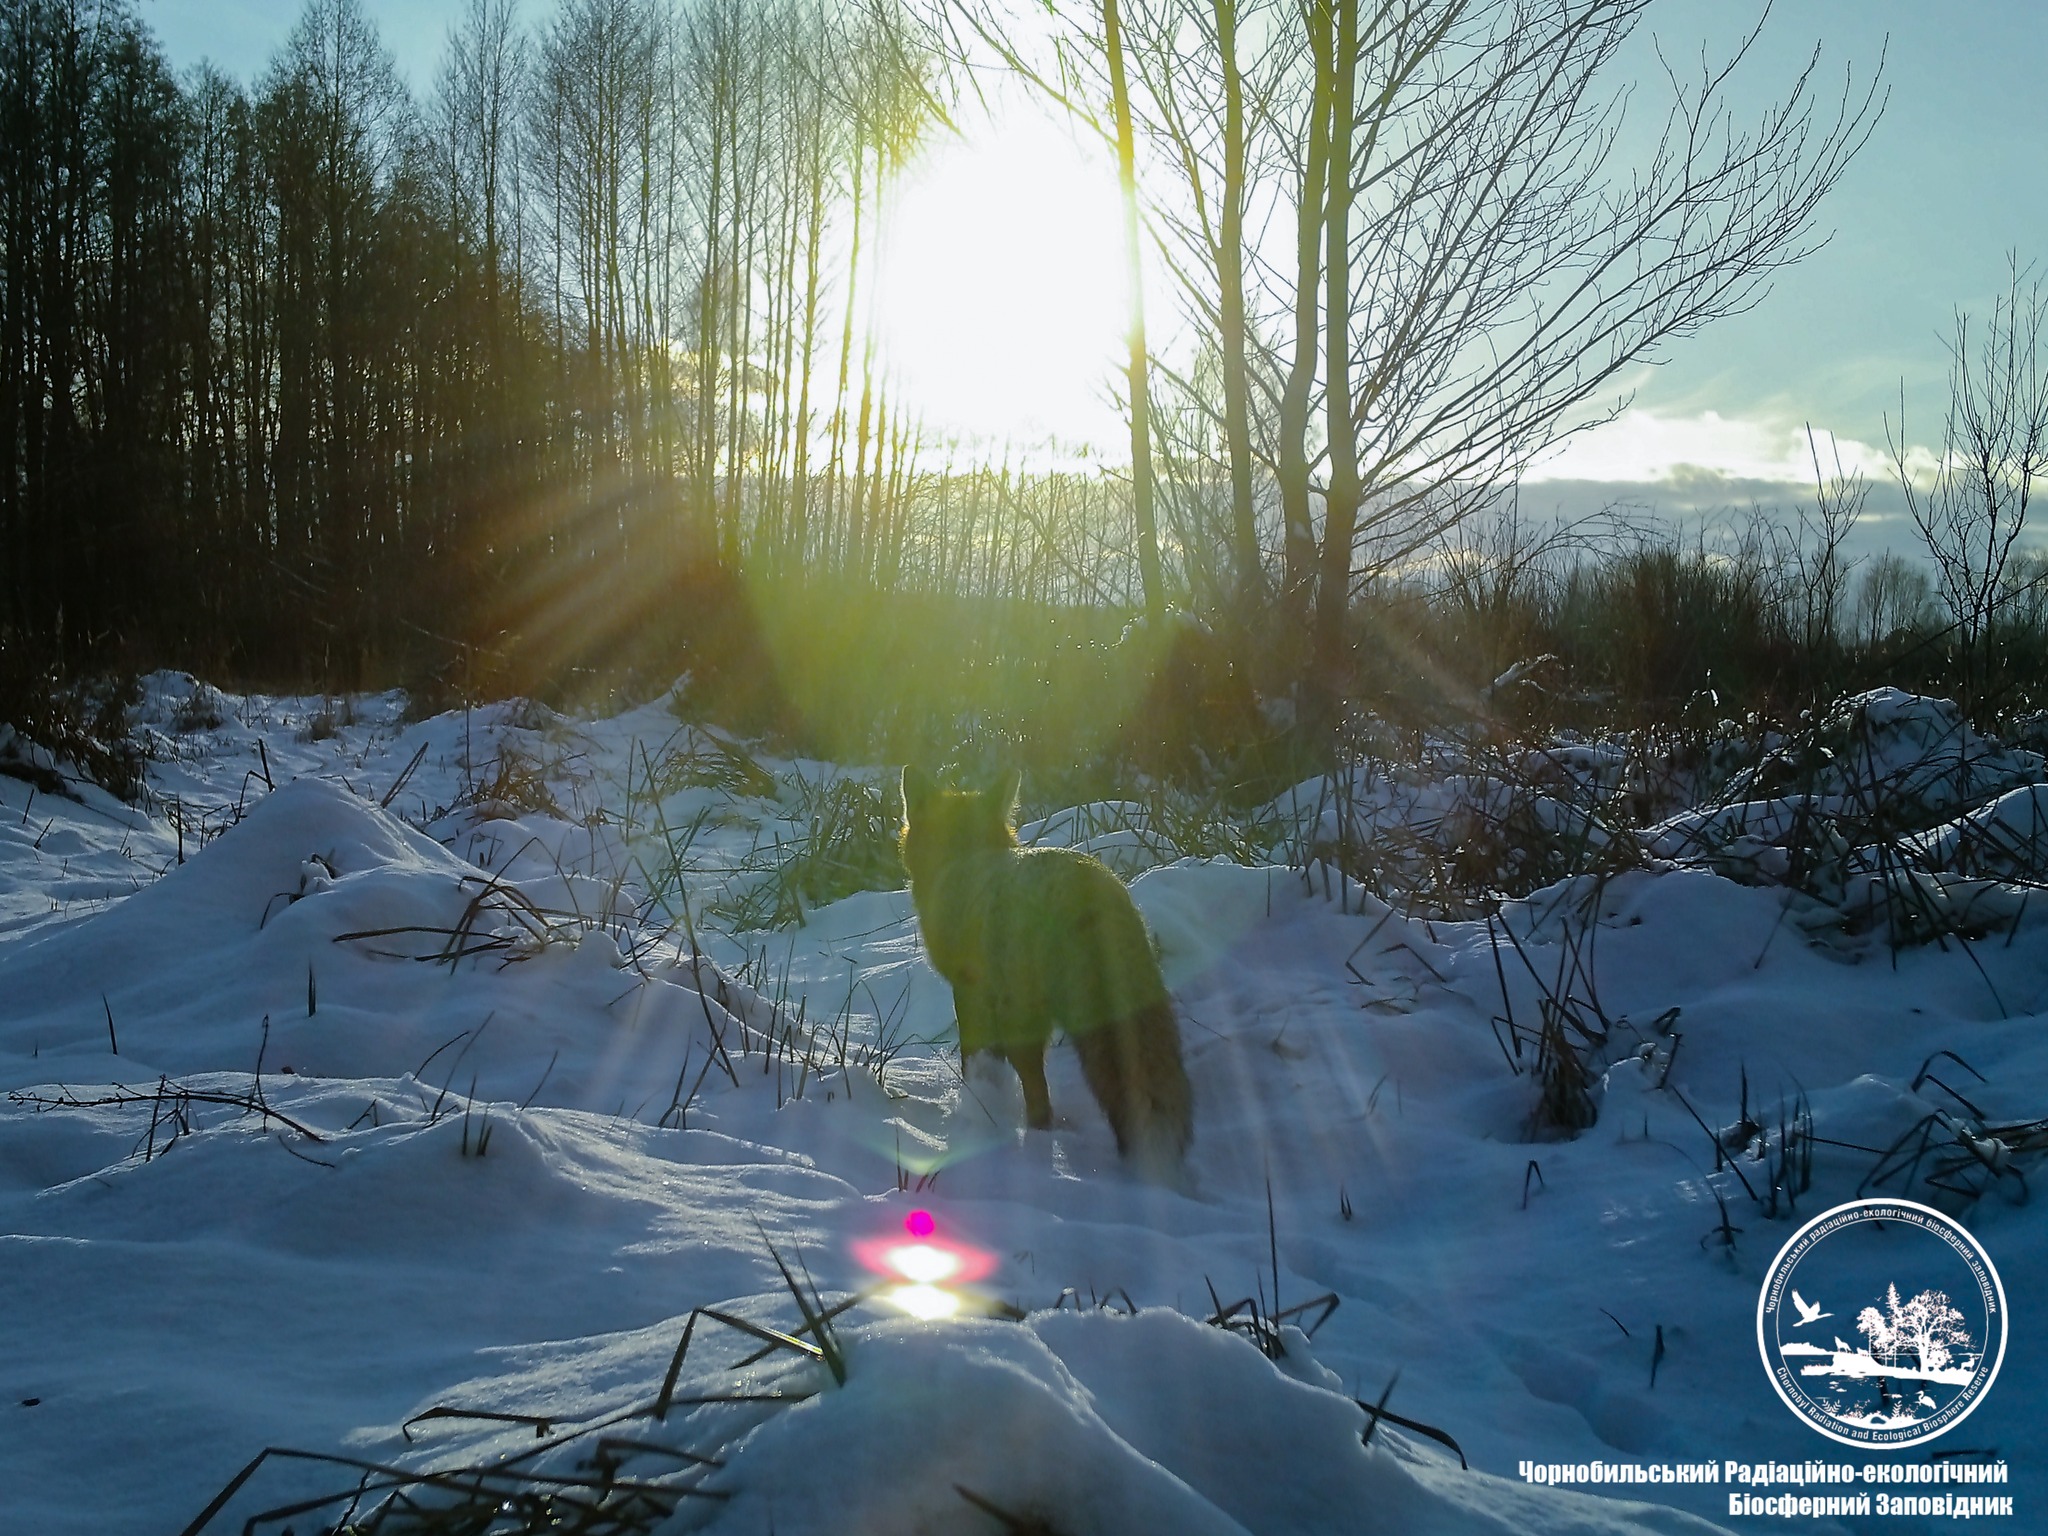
79	724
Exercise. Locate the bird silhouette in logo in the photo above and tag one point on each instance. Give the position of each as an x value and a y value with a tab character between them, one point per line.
1809	1311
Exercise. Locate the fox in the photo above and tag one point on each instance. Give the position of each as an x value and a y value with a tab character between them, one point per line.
1033	939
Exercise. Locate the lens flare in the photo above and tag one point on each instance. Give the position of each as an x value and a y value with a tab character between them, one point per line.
927	1303
922	1264
929	1268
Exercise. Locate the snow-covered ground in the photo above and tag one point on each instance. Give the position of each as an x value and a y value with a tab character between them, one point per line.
404	1088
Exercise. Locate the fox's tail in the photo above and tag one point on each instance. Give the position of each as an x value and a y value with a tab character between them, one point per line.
1133	1068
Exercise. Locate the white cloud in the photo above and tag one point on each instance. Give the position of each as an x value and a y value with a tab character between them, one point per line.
1641	446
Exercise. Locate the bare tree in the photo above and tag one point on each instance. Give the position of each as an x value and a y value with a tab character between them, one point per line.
1974	507
1310	130
339	127
481	92
1813	558
1893	597
1471	264
1213	115
817	139
1135	378
594	141
1486	273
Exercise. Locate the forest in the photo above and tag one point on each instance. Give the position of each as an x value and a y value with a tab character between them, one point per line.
300	374
564	376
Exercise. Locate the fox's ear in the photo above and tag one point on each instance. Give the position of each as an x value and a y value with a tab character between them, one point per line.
1007	788
918	789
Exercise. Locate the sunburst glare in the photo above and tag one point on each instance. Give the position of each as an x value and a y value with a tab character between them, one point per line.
1001	288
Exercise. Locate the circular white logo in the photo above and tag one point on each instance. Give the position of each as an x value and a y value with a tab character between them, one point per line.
1882	1322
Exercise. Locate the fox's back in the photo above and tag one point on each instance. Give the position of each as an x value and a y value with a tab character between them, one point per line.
1067	902
1055	933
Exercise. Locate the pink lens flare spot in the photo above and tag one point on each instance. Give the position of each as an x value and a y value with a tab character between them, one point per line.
922	1257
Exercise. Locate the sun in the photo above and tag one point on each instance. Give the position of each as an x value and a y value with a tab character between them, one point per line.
1001	291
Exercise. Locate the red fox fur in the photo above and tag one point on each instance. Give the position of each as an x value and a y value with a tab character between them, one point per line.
1037	938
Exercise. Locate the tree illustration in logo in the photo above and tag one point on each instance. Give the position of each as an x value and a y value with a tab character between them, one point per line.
1915	1335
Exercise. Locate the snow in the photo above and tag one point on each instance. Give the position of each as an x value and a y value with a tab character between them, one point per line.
405	1089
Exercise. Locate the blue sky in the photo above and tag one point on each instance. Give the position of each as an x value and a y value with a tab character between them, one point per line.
1951	181
1948	184
240	35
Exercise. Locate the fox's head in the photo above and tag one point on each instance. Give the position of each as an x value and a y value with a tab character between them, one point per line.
940	825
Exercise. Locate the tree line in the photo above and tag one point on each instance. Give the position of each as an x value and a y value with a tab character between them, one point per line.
305	374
